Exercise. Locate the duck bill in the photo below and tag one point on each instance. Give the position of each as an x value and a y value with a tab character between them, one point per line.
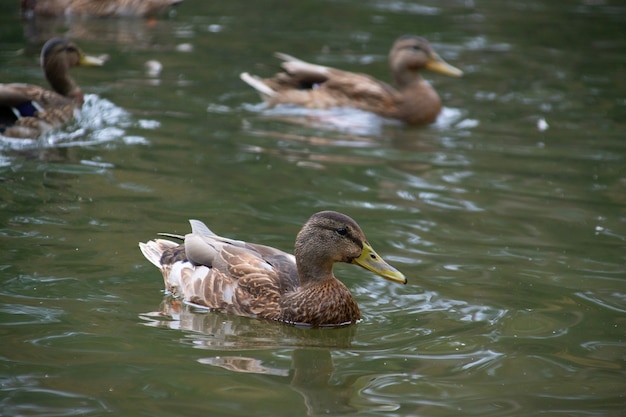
91	61
371	261
436	64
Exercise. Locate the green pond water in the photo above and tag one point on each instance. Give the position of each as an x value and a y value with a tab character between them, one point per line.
508	216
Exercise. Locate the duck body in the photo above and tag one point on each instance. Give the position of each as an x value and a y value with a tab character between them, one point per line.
29	111
259	281
413	100
96	8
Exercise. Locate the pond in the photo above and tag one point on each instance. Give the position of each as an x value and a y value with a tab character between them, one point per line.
507	216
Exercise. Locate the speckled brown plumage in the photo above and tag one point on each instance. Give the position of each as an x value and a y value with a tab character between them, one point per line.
29	111
254	280
414	101
96	8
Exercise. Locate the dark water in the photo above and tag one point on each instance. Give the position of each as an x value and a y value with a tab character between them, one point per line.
508	216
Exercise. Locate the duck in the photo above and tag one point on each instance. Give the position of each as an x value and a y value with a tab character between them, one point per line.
30	111
413	100
259	281
99	8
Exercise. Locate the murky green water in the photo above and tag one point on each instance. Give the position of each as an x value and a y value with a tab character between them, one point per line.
512	237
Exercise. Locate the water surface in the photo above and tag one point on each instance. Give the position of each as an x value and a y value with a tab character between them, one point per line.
507	215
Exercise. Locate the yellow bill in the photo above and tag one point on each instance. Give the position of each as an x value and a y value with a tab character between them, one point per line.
437	64
91	61
371	261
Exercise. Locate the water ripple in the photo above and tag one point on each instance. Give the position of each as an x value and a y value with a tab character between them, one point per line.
98	121
19	401
19	314
614	301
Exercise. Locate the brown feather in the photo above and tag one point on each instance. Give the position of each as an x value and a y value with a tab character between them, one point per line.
259	281
53	108
96	8
414	101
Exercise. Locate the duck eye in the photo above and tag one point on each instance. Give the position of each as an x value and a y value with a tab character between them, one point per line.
342	231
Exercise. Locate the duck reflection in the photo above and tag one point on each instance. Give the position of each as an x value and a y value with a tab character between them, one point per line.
312	140
305	142
311	369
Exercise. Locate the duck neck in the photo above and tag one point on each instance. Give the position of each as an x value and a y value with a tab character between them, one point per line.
421	103
58	75
405	77
313	272
313	260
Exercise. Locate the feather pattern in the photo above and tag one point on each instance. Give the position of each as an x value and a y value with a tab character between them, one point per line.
29	111
413	101
255	280
96	8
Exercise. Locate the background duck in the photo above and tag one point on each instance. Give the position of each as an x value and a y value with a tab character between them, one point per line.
414	101
28	111
254	280
96	8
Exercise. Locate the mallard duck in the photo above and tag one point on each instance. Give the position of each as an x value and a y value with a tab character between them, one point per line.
254	280
28	111
96	8
414	101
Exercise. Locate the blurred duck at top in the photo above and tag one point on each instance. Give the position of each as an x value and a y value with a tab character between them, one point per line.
96	8
413	100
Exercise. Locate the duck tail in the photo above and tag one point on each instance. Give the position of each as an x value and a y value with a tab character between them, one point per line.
286	57
200	228
258	84
294	65
153	250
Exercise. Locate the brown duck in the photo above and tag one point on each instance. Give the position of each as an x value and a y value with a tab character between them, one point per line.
96	8
413	101
255	280
29	111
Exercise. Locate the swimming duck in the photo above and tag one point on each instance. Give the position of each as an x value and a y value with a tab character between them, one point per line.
29	111
99	8
254	280
414	101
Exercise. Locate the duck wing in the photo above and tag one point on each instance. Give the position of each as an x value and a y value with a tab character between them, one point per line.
28	111
17	94
331	87
224	274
